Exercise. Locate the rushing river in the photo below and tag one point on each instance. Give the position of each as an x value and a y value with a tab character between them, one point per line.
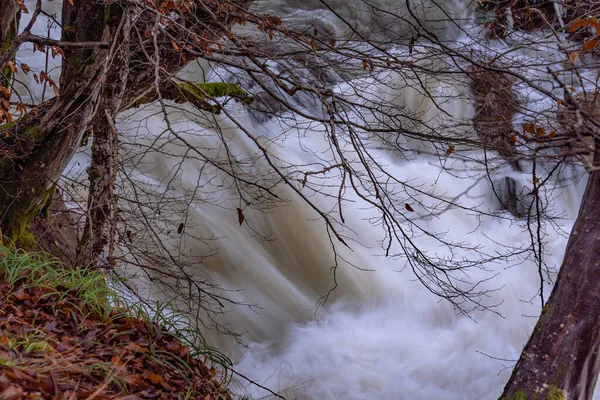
381	334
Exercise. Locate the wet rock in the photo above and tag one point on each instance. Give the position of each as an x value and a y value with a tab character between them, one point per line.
512	196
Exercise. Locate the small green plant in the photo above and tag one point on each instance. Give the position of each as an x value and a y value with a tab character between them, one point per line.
6	363
38	270
176	323
107	315
33	342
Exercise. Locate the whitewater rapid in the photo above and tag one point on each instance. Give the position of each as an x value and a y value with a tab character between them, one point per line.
381	334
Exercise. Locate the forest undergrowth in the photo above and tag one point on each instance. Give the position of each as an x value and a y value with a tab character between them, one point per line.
66	333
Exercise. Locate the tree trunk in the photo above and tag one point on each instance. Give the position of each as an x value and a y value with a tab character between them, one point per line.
561	361
103	168
9	25
37	148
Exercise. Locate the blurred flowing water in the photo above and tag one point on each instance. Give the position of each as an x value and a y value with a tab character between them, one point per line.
381	334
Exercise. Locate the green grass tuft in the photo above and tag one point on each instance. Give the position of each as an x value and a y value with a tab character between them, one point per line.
158	337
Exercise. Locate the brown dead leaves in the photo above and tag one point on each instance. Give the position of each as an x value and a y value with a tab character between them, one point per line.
53	347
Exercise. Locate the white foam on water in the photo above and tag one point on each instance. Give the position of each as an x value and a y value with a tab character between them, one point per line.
381	334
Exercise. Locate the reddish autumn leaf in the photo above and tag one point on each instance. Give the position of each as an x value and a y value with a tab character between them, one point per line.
173	346
589	45
21	108
241	217
55	89
9	372
64	346
12	66
92	334
22	6
579	23
184	351
528	128
4	90
117	361
38	48
136	348
21	295
13	392
593	22
155	378
6	115
573	57
58	50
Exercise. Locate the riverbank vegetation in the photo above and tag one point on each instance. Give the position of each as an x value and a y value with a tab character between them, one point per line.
68	333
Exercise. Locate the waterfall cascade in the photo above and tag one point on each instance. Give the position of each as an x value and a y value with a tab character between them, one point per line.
381	334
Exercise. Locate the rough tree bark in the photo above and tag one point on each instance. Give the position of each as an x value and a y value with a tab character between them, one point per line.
36	149
8	28
561	361
119	91
102	171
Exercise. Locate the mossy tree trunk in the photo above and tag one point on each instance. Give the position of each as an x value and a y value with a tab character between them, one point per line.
37	148
102	171
560	360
